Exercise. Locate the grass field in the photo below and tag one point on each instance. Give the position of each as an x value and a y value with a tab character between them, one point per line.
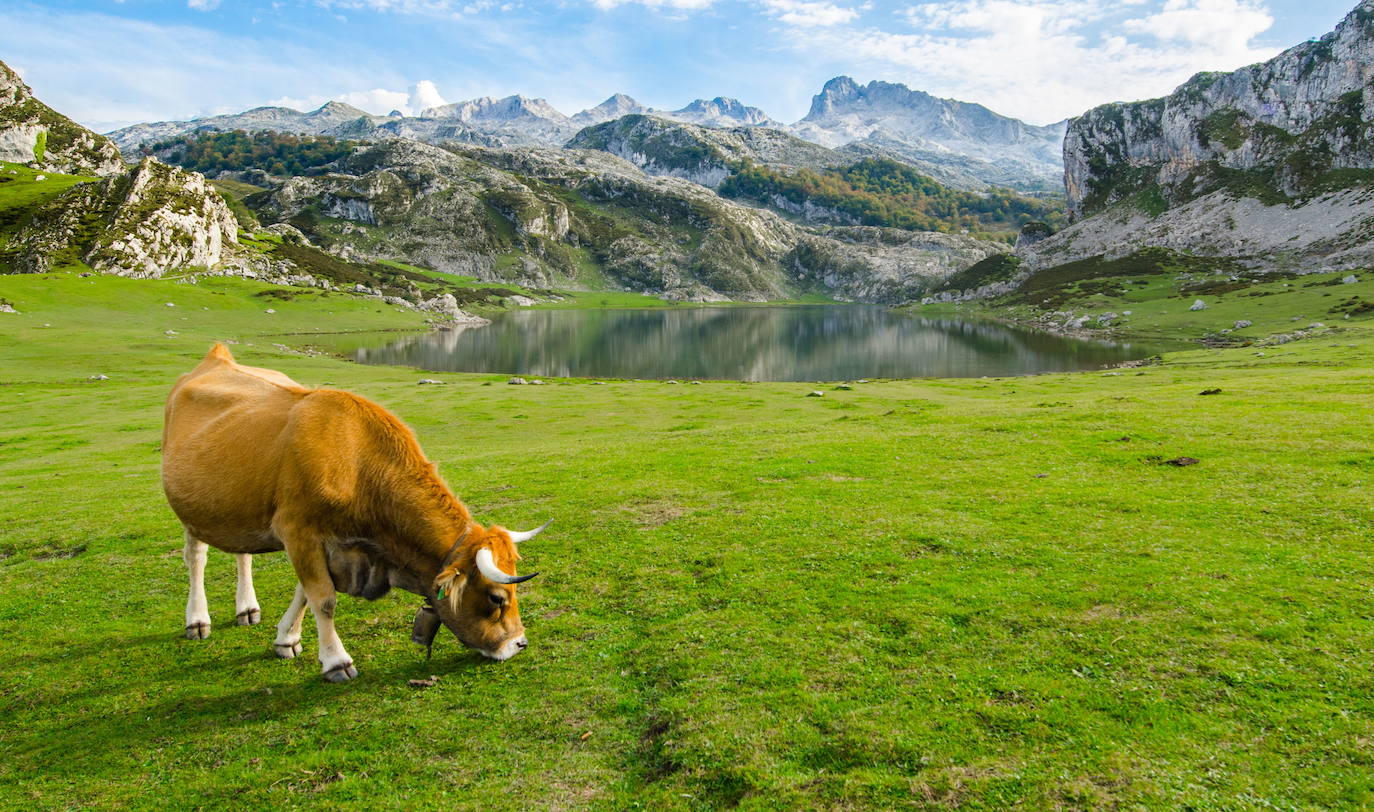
930	593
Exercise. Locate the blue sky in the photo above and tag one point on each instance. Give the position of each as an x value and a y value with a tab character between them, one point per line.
108	63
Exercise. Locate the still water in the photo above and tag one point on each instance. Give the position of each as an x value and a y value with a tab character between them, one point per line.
813	343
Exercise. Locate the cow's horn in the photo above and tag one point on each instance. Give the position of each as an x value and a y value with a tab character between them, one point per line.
518	536
487	566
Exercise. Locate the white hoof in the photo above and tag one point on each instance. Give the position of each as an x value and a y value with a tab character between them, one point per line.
198	630
287	651
249	617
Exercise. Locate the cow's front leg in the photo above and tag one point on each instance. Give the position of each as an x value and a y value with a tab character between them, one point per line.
245	599
288	642
197	610
307	557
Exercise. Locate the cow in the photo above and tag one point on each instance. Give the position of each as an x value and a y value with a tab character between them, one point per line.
253	462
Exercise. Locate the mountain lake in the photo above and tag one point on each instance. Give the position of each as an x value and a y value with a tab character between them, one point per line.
794	343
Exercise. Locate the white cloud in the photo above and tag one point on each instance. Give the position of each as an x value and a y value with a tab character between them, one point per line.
201	5
424	95
679	5
806	13
1044	60
378	101
1226	25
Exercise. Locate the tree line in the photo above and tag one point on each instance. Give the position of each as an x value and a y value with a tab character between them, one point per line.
274	153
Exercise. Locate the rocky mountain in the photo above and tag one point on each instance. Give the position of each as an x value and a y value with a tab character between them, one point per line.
33	133
144	223
543	217
1272	164
962	145
616	106
722	112
940	130
332	118
513	121
705	155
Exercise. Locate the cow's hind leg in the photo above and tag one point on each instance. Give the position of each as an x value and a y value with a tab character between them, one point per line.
307	557
245	599
288	642
197	610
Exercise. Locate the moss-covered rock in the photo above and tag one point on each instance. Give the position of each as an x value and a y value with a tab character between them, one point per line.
147	222
35	134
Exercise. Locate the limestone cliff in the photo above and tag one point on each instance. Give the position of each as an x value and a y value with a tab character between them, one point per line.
33	133
1296	125
1271	165
150	221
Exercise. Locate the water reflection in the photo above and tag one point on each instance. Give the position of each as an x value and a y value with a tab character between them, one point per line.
819	343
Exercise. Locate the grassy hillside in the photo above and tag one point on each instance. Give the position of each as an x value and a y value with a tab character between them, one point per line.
975	593
1152	292
21	193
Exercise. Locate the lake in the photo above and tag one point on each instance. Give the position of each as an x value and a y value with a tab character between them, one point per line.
806	343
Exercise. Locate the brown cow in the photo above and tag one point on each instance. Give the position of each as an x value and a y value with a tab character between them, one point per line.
253	462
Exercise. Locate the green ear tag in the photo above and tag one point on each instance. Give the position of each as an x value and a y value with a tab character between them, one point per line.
440	596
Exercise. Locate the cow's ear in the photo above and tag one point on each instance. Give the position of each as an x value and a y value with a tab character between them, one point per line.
449	584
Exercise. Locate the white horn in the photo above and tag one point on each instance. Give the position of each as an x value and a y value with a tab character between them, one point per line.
518	536
487	566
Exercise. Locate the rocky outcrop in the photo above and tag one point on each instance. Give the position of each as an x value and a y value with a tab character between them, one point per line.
1271	165
33	133
150	221
703	155
1296	125
1004	150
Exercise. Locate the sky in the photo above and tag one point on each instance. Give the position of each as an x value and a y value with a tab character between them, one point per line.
111	63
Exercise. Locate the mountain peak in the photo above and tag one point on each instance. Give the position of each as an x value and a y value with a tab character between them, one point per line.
337	109
489	109
614	107
722	111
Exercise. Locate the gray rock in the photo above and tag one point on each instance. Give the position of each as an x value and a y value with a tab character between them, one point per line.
536	383
1260	120
154	219
815	393
1350	279
1198	305
517	381
1241	324
101	377
6	307
430	381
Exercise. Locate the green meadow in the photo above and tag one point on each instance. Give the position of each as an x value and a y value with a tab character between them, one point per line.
972	593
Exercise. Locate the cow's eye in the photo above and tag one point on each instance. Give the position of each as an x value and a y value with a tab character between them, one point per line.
496	599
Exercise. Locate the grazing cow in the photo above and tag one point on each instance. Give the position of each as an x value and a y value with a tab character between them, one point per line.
253	462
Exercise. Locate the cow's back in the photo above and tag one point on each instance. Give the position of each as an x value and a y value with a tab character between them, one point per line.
223	441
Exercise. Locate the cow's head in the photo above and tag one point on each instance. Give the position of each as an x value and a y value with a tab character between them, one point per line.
475	591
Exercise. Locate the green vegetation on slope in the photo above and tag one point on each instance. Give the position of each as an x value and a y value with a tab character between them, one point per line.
883	192
1152	292
972	593
274	153
21	193
1287	167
